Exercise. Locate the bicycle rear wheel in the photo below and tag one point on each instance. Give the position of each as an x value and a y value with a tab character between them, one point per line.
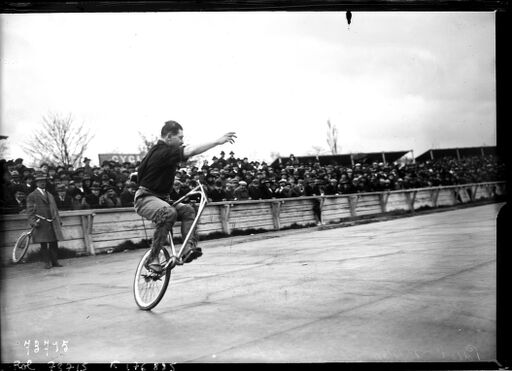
149	287
21	246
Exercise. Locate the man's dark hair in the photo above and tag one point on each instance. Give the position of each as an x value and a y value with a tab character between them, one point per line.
171	127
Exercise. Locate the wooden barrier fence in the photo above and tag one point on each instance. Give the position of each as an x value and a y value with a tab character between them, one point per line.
94	231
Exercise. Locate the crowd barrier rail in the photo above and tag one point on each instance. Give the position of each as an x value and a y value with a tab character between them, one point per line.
89	232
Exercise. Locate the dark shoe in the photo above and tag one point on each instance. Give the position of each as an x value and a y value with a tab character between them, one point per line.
47	266
154	265
192	254
57	265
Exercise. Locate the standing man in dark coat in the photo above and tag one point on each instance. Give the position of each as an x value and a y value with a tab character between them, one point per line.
41	202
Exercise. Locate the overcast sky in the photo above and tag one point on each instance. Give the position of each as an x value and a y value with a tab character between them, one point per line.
392	81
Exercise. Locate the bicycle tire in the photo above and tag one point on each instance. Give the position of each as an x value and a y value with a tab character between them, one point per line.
146	282
21	246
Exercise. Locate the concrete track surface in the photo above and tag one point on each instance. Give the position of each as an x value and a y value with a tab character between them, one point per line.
420	288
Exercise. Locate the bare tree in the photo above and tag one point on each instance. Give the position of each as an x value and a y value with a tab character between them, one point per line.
59	141
274	155
332	137
147	142
4	149
317	151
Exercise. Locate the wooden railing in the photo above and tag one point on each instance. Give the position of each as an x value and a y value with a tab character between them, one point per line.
93	231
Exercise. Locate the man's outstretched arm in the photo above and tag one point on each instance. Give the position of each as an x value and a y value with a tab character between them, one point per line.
192	150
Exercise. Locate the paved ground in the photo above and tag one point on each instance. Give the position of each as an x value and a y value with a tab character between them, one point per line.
413	289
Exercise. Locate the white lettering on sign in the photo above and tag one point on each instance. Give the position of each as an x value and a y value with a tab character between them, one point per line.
121	157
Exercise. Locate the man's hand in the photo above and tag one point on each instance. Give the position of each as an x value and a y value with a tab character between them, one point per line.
228	137
197	149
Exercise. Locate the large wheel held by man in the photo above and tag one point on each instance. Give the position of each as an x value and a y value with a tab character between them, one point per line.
21	246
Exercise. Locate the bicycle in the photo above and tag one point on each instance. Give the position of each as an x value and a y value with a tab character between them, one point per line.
23	241
149	286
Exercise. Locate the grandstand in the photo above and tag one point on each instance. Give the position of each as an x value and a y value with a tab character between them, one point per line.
458	153
349	159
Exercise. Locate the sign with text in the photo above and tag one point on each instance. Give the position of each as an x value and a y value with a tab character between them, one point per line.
121	157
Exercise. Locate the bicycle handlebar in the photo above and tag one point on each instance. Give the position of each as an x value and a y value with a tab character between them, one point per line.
42	217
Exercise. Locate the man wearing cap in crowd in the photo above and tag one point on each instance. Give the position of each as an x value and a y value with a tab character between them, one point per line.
42	202
63	200
241	192
217	194
282	191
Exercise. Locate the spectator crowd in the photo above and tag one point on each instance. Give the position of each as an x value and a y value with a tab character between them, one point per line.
111	184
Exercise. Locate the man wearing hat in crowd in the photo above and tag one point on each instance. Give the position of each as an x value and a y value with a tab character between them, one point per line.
217	194
231	159
332	187
229	190
77	200
110	199
222	161
18	203
87	166
41	202
254	189
18	165
92	200
128	195
28	184
265	190
63	200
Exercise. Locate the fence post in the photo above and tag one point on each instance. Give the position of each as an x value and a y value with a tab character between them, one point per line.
411	198
474	189
352	201
276	211
434	195
383	198
86	230
224	218
456	195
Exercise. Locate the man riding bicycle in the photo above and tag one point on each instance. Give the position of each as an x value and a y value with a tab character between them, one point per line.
155	176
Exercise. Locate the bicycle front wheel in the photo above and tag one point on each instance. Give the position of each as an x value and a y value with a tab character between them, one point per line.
21	246
149	287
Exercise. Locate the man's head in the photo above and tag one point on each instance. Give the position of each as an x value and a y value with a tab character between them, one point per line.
20	195
61	190
111	192
172	133
132	187
41	181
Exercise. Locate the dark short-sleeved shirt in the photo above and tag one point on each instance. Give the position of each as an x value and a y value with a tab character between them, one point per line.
157	169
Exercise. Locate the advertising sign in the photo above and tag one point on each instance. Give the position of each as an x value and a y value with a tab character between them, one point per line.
121	157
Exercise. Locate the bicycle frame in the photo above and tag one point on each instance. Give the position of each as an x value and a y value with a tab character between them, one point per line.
176	258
